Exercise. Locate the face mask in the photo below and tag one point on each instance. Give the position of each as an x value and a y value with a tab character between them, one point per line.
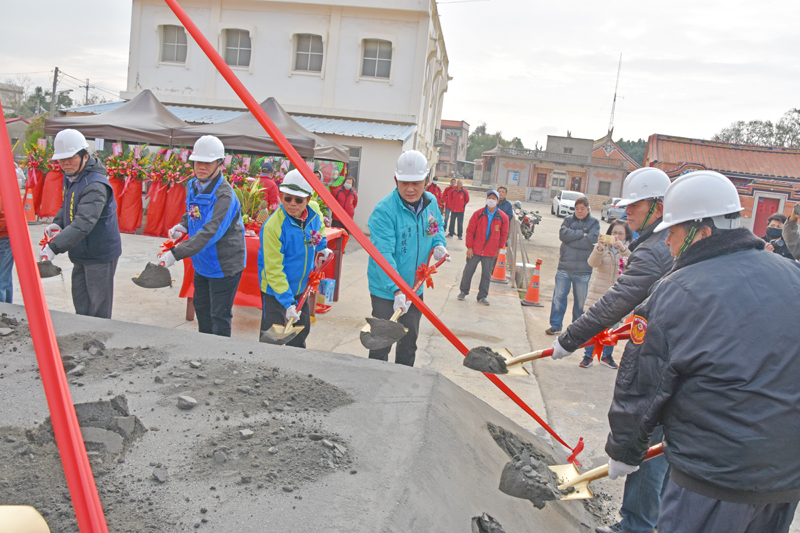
774	233
491	204
347	186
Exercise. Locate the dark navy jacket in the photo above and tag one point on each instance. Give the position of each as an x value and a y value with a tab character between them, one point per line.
88	217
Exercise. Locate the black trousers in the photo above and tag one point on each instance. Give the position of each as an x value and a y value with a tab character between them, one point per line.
93	288
406	350
273	313
487	264
453	217
213	303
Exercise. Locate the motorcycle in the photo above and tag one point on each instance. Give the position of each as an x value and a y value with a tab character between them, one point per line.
527	220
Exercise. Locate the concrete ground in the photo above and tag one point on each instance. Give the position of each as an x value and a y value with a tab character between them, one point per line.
573	400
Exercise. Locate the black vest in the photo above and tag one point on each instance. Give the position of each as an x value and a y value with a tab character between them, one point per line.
103	243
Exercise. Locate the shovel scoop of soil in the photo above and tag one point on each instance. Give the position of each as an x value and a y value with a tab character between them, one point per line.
484	359
154	277
48	269
381	333
529	479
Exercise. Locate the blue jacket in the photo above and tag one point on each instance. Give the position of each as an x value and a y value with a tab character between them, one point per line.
287	252
404	239
216	231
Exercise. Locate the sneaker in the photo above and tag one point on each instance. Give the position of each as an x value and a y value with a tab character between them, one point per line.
462	295
613	528
483	301
449	236
609	362
459	238
553	330
586	362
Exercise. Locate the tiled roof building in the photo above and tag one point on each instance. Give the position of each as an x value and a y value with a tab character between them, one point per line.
767	177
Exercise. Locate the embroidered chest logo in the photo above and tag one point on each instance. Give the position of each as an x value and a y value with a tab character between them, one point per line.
638	329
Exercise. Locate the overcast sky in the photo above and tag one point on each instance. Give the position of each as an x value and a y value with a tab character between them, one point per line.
525	67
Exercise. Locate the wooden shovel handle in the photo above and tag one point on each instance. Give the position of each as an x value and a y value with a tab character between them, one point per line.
396	314
524	358
602	471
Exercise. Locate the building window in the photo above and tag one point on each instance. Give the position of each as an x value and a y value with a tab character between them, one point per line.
354	163
377	59
237	48
541	180
567	150
604	188
308	55
173	44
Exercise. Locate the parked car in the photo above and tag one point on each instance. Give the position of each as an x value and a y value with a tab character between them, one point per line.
610	211
564	203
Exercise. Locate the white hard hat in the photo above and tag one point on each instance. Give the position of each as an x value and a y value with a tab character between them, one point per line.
207	149
698	195
411	166
295	184
644	184
68	143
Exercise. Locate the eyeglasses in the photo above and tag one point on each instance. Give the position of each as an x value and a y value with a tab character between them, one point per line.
618	233
295	199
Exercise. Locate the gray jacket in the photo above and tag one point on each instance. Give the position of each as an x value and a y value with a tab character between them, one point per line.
650	259
791	237
578	237
720	373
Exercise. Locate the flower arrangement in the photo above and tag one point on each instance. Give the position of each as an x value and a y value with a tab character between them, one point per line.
126	166
36	157
314	239
433	225
251	196
169	169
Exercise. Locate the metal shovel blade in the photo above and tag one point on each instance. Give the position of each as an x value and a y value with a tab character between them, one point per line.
153	277
380	333
278	336
567	473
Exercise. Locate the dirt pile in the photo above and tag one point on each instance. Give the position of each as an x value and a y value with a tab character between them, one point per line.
48	269
484	359
486	524
154	277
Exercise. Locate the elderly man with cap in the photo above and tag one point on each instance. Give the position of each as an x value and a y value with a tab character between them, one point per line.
216	238
405	227
267	179
85	226
292	242
487	232
728	399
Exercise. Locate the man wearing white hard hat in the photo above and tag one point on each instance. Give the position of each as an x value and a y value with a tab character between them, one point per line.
642	194
718	372
292	242
85	226
215	243
405	227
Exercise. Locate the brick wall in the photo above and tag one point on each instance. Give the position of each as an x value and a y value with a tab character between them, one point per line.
596	202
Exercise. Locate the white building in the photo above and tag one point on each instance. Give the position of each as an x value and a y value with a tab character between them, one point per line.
372	73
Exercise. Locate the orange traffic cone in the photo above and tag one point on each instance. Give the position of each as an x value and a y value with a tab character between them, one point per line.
499	273
532	296
30	213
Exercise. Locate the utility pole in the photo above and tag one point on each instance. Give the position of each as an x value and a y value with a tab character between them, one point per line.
614	105
86	101
55	94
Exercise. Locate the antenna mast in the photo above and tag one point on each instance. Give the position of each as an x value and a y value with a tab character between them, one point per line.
614	105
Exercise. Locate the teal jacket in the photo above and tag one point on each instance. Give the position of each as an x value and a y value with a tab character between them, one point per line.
287	252
404	239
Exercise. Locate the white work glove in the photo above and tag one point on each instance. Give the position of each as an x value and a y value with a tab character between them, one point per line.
46	254
401	302
292	312
439	252
175	232
558	351
51	230
167	259
324	254
617	469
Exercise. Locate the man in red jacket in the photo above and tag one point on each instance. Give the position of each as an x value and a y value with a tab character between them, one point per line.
458	199
267	179
487	232
347	197
434	189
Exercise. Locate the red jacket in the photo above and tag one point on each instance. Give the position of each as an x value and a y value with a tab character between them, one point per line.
437	192
458	200
476	233
346	199
446	196
271	194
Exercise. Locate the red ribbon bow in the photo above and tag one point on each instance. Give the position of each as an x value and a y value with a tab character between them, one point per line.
426	272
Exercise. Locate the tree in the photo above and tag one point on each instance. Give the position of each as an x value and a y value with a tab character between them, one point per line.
480	141
38	102
14	104
635	149
785	132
